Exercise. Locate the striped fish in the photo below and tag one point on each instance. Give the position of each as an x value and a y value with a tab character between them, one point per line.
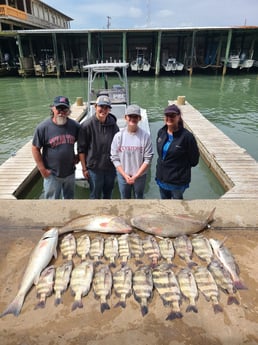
143	287
184	249
44	287
62	278
151	249
136	247
102	285
68	246
122	282
83	246
97	249
202	248
123	248
166	284
188	288
167	249
111	249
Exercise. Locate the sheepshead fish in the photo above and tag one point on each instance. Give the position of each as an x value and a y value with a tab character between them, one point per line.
151	249
39	259
83	246
165	225
123	248
45	285
202	248
122	282
136	247
102	285
226	258
80	283
97	249
167	249
68	246
143	287
223	280
111	249
103	223
62	279
184	249
166	284
188	288
207	285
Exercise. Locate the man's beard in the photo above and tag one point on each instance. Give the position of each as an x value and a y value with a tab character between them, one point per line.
61	120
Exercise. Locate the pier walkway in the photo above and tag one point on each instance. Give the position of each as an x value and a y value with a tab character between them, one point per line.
236	170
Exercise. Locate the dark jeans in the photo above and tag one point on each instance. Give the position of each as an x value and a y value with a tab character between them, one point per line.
171	194
101	183
137	188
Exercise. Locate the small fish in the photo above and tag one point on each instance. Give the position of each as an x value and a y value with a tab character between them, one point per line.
111	249
123	248
45	285
188	288
39	259
83	246
143	287
68	246
167	249
223	280
122	282
102	285
207	285
184	249
97	249
165	225
104	223
226	258
151	249
80	283
62	279
202	248
136	247
166	284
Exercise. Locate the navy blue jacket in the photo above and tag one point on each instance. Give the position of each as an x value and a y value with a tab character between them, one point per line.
183	153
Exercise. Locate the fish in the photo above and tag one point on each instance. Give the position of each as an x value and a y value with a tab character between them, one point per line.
45	285
123	248
151	249
207	285
165	225
226	258
165	282
136	247
143	287
97	249
202	248
111	249
102	223
39	259
83	246
167	249
223	280
80	283
188	288
102	285
62	279
122	282
184	249
68	246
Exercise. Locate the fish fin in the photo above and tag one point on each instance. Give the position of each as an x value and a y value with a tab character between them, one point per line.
174	315
191	308
41	305
55	254
217	308
77	304
121	304
144	310
104	306
138	262
232	299
239	285
211	216
15	306
58	301
36	279
191	264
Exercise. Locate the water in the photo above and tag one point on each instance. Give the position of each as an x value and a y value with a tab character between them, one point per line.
229	102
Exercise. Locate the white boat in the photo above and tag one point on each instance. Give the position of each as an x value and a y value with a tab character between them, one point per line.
244	62
173	65
233	61
140	63
118	94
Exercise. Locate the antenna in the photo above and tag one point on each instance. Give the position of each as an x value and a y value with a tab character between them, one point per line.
108	22
148	14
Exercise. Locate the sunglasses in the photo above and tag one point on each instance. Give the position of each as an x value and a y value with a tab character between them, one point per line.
172	115
63	109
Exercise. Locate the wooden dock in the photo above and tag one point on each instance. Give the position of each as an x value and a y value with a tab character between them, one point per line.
236	170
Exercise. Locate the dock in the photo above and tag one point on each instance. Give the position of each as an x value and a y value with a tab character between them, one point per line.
234	168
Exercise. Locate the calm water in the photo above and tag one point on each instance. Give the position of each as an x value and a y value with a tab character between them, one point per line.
231	103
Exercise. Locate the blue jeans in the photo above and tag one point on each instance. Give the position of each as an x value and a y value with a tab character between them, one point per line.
59	187
171	194
137	188
101	183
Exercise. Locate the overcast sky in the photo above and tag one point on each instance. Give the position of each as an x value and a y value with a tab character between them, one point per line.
128	14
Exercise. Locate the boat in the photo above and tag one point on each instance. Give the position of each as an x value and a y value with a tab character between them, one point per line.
102	73
244	62
233	61
172	65
140	64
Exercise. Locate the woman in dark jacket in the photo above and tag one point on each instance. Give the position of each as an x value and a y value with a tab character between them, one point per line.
177	154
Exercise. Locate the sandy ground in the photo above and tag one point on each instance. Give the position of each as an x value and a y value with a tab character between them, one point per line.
20	231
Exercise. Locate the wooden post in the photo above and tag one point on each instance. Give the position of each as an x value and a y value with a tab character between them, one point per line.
157	68
124	58
56	55
89	58
192	53
227	51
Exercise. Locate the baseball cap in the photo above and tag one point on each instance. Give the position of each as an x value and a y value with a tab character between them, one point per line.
172	109
133	109
61	100
103	100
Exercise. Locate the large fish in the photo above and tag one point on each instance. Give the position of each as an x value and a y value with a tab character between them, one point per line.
165	225
102	223
39	259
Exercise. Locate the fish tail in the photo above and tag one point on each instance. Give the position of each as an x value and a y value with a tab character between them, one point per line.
41	305
211	216
15	306
232	299
112	265
144	310
217	308
191	308
58	301
191	264
104	306
240	285
138	262
77	304
174	315
121	304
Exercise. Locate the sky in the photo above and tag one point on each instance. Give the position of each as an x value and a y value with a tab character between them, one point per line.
131	14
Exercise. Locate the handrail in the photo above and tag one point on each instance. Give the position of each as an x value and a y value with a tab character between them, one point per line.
12	12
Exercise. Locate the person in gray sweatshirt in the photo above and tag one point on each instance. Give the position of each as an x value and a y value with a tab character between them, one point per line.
131	154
